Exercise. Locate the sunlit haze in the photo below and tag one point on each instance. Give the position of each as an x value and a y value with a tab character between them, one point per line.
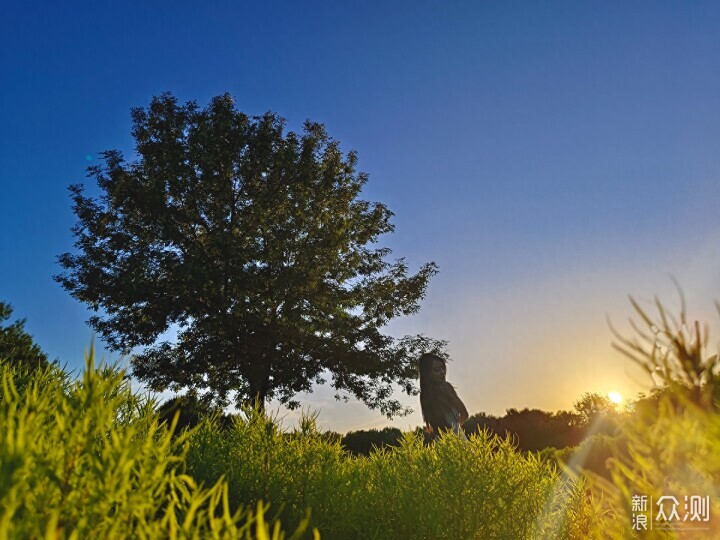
550	158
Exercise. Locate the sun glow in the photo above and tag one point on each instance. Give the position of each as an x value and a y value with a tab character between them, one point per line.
615	397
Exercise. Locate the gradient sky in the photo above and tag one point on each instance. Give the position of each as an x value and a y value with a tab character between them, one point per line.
551	157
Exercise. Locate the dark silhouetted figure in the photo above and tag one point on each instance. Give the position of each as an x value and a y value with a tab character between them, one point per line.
441	407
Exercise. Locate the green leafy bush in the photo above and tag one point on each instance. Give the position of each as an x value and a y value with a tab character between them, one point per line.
481	488
89	459
362	442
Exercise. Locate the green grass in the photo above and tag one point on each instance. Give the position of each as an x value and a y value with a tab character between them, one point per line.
481	488
87	458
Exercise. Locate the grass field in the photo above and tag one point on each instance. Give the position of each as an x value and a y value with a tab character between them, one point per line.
87	458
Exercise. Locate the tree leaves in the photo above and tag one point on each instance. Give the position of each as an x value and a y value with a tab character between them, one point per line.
16	345
256	243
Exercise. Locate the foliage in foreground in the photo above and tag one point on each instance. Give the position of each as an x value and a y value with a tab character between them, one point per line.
481	488
88	459
672	449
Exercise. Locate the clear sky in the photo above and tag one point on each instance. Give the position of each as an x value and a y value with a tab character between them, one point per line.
551	157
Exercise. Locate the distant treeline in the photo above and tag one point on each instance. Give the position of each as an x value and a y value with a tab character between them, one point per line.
530	430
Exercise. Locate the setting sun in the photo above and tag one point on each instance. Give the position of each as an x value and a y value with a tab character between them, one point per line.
615	397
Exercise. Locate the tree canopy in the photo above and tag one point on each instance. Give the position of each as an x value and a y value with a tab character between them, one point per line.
16	345
255	244
592	404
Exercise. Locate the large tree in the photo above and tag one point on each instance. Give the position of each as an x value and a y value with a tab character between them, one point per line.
256	244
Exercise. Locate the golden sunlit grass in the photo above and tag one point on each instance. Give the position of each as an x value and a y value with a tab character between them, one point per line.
673	442
455	488
89	459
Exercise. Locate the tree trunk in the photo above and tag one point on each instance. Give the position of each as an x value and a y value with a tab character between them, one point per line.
257	396
260	383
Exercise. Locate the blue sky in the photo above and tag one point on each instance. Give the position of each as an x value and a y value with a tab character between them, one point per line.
550	157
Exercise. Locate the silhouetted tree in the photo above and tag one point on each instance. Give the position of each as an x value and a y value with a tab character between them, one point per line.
16	345
592	404
569	429
364	441
255	243
532	429
599	414
191	411
477	422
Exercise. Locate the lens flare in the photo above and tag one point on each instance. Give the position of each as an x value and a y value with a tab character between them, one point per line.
615	397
